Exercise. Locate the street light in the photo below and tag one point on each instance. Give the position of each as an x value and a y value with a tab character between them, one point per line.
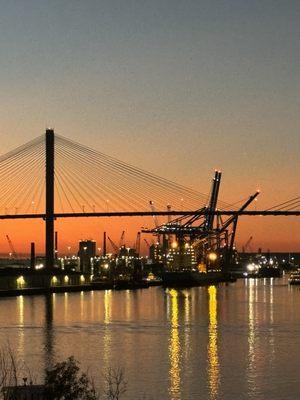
212	256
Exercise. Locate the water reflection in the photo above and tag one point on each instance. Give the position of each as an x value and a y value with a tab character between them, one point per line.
213	359
187	315
66	307
20	307
48	330
174	348
107	330
81	305
271	340
252	299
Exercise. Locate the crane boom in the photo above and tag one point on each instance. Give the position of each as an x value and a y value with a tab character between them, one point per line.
113	244
147	243
13	251
246	245
122	239
138	243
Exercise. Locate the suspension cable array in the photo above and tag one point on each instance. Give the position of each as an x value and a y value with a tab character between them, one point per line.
22	178
288	205
89	181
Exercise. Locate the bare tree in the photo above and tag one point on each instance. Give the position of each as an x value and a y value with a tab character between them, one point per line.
64	381
10	369
116	384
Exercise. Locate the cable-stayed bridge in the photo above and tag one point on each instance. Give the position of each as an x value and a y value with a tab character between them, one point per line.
53	177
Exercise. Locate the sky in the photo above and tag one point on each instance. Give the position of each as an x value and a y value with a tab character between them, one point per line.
178	88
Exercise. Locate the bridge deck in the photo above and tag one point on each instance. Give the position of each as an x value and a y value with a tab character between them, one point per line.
151	213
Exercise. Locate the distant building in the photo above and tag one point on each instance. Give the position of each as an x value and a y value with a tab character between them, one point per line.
86	254
156	253
25	392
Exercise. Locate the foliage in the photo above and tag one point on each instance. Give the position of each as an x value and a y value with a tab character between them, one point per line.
65	382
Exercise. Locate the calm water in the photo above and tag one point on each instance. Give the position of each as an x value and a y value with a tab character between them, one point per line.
240	341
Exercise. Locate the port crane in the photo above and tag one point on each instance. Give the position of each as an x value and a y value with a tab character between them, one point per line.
147	243
247	244
13	251
138	243
121	243
205	232
113	244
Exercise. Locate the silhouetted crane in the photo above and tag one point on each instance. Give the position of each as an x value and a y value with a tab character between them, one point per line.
113	244
138	243
247	244
13	251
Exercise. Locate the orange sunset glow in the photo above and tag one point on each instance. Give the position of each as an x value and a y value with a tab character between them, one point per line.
149	199
168	92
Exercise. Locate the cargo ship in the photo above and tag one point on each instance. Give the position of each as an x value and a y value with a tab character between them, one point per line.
191	278
270	272
263	267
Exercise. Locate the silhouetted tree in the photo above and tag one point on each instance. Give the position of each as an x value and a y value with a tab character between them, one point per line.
115	383
64	381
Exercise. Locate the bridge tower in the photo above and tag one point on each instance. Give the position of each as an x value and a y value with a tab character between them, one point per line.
49	219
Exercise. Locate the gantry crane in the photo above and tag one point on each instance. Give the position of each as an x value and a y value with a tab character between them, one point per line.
247	244
204	231
147	243
13	251
138	243
121	243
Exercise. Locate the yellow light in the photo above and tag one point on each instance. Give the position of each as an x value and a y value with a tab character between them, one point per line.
202	267
174	245
54	279
213	359
212	256
20	281
174	346
82	279
105	266
66	279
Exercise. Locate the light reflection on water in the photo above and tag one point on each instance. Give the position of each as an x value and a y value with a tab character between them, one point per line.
252	293
238	341
212	356
174	347
48	336
20	308
261	347
271	330
187	322
107	332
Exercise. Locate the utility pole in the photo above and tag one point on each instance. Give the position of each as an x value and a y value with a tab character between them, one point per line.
32	255
104	245
49	199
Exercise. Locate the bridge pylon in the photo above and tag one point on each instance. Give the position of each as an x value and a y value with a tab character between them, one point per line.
49	217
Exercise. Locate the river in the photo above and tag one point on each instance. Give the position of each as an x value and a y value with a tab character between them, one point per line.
237	341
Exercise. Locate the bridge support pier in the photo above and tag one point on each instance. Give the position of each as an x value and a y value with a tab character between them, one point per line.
49	219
